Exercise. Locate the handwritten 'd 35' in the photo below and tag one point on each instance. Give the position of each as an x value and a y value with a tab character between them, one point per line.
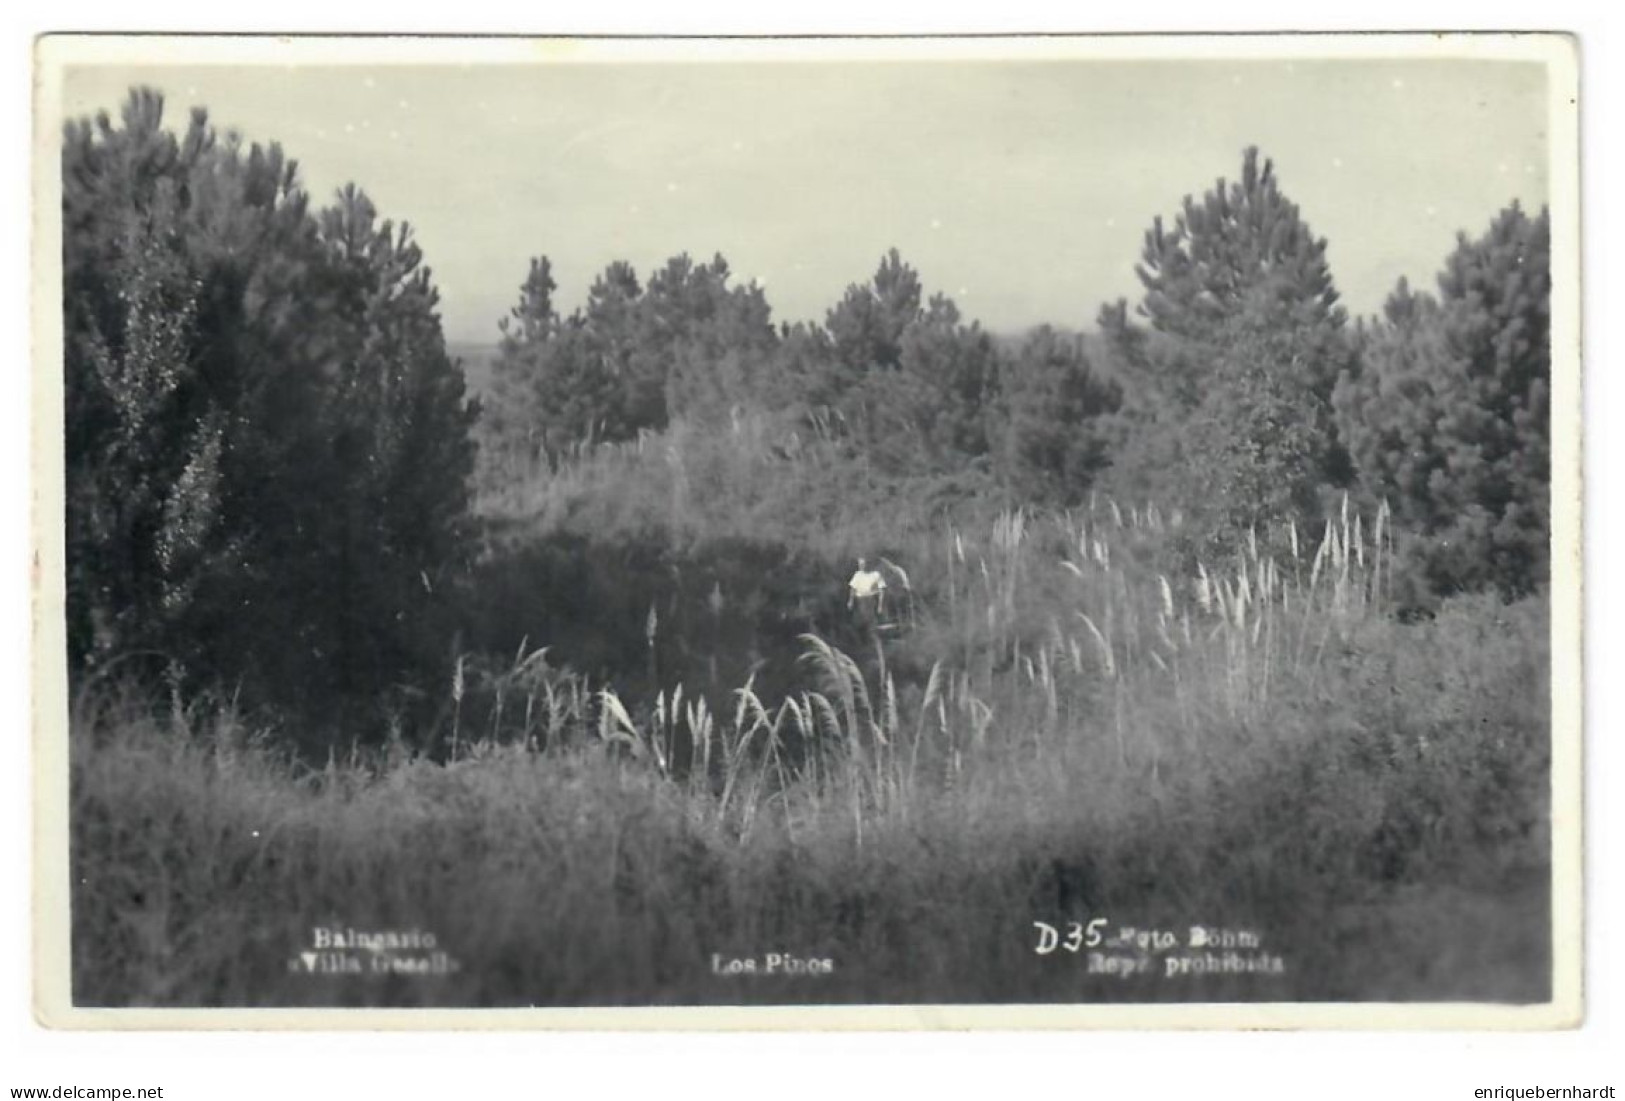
1074	936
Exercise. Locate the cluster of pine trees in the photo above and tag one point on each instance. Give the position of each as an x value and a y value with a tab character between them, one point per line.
1445	411
269	453
899	378
1234	394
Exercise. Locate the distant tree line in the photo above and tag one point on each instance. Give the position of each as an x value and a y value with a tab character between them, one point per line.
899	378
1235	394
269	452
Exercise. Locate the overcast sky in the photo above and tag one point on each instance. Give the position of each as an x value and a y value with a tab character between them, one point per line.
1021	189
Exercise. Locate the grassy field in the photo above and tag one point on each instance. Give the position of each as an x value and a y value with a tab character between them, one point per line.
1054	731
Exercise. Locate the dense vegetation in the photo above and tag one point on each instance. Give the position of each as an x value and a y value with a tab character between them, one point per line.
267	447
1231	611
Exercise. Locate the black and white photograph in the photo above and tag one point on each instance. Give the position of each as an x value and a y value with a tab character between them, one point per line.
1071	531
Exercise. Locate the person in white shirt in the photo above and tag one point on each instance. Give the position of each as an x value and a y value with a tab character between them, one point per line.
866	592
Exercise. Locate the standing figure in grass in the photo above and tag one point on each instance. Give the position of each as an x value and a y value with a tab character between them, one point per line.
866	593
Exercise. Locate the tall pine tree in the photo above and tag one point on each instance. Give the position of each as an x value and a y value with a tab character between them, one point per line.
267	448
910	382
1229	380
1447	413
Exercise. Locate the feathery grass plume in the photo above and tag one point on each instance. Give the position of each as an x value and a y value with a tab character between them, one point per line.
1046	680
659	742
933	686
1075	652
750	703
736	753
840	676
698	717
887	729
742	703
828	721
1327	540
1108	663
1009	530
802	717
615	726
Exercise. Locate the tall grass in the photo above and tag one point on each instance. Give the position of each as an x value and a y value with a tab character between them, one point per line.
1062	727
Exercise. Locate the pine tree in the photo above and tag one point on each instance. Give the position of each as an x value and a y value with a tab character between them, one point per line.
266	446
399	430
707	341
512	427
533	320
577	383
1232	378
867	325
1447	413
958	369
909	382
1056	429
164	243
